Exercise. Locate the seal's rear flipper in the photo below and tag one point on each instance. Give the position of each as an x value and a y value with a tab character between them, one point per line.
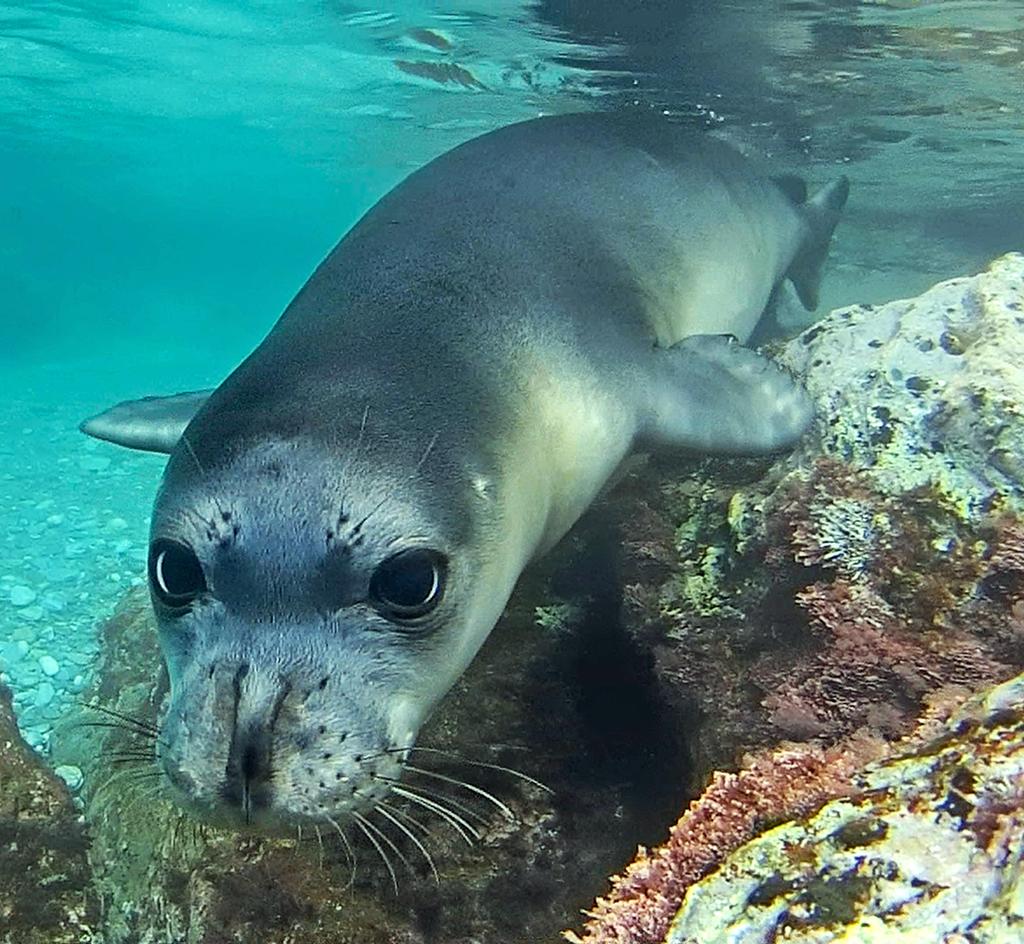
710	394
769	326
154	424
821	213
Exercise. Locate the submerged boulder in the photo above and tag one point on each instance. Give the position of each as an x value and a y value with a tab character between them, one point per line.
835	588
927	392
804	614
812	845
928	847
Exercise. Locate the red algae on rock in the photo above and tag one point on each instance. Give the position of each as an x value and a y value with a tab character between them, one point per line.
927	848
735	807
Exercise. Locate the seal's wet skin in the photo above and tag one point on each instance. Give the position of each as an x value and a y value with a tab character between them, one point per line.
342	521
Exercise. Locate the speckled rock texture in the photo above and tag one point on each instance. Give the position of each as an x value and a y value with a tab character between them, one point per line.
929	848
928	391
45	891
838	586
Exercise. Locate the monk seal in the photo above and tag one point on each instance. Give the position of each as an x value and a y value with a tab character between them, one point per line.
342	520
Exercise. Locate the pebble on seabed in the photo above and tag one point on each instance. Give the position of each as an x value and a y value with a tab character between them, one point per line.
21	595
71	775
44	694
76	513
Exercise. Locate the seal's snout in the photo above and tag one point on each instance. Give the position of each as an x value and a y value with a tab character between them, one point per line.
257	699
255	741
237	713
248	775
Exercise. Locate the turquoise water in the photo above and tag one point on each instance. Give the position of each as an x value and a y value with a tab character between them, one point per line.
172	173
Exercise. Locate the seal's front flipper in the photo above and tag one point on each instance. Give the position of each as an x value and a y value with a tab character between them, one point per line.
154	424
710	394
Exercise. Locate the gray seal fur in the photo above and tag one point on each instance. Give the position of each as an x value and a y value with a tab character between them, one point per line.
463	373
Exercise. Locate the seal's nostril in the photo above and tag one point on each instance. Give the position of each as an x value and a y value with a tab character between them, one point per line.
254	763
259	699
249	758
248	773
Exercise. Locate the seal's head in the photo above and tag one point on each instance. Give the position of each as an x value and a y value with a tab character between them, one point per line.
311	612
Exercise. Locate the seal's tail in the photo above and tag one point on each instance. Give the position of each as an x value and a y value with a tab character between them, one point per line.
821	213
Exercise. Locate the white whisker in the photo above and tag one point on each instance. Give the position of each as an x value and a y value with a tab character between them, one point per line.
479	791
464	829
385	838
361	823
479	763
405	829
348	848
437	796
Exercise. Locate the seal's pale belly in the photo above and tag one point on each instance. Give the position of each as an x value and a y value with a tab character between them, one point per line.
341	522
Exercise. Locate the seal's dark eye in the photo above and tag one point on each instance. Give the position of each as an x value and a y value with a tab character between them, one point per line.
175	575
409	585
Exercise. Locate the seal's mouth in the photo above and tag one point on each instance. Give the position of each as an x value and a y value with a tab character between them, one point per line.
282	797
375	797
248	746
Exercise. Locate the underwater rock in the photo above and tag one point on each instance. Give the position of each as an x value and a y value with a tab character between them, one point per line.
928	847
927	392
835	589
893	596
70	774
802	845
45	891
21	595
44	694
732	809
826	600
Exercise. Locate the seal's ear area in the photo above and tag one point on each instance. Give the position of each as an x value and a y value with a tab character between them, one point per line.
821	213
153	424
710	394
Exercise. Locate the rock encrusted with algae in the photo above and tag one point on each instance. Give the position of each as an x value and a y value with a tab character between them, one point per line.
837	587
843	607
874	574
732	809
928	391
45	893
929	848
919	429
